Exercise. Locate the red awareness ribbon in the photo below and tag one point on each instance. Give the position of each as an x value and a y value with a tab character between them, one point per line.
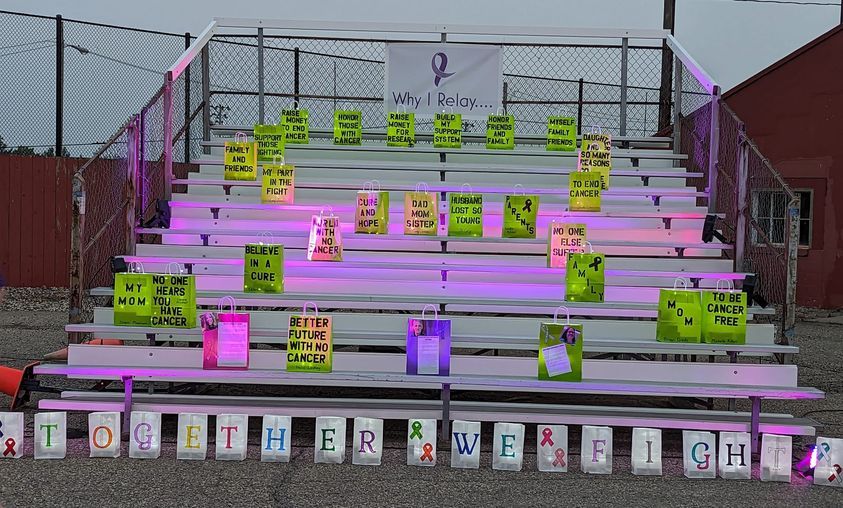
428	450
10	447
547	432
560	457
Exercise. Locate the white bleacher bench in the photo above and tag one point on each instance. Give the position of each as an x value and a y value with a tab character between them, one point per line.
468	373
467	332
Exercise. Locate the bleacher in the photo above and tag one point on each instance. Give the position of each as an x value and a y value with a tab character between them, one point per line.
495	291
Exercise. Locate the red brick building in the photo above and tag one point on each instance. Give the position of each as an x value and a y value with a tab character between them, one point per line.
794	111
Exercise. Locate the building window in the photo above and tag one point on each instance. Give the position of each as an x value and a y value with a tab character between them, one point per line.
769	207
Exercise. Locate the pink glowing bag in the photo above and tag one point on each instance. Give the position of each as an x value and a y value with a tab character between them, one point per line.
225	338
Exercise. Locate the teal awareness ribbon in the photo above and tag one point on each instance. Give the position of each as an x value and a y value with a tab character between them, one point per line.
417	426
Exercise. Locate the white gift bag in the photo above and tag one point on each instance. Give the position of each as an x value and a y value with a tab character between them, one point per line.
232	437
596	450
368	441
50	435
275	438
698	454
508	447
330	440
646	451
192	438
829	470
11	435
465	444
776	458
552	448
104	434
421	442
145	435
735	462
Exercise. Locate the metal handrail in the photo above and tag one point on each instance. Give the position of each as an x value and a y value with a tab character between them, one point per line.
696	69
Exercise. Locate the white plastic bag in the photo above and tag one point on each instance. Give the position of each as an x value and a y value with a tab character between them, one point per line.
232	437
367	446
192	436
776	458
50	435
508	447
552	448
104	434
698	454
11	435
829	470
330	440
596	450
465	444
421	442
735	462
275	438
145	435
646	451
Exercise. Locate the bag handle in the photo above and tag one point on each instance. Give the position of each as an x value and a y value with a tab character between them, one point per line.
590	248
567	314
368	186
275	157
378	182
451	108
170	268
422	185
304	309
266	234
730	286
683	281
435	312
596	129
516	188
463	186
135	266
241	137
223	300
500	111
322	211
398	108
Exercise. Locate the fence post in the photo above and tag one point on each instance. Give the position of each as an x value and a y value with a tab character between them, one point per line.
677	109
206	98
505	96
579	109
624	65
187	109
260	77
714	150
789	309
132	151
168	135
740	206
77	267
59	86
141	179
296	78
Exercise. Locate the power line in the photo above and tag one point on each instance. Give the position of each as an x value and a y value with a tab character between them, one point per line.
27	50
790	2
26	44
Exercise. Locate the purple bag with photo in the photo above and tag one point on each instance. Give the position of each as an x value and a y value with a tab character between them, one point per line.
429	345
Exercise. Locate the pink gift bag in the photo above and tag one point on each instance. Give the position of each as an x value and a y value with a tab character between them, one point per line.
225	338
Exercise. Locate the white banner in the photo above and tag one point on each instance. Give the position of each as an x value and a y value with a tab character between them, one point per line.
431	78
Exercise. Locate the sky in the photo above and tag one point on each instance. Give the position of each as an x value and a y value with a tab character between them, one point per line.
731	39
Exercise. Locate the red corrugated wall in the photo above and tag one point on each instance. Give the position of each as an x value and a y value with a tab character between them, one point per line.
35	219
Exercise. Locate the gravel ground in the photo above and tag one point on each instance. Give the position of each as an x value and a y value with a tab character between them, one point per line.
31	322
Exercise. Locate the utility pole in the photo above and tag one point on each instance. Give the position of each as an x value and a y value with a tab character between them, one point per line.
59	86
665	91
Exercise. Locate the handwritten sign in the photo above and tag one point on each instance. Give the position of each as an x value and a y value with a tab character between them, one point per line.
240	161
348	127
500	132
263	270
296	126
278	184
173	301
562	240
584	192
309	344
400	129
270	141
447	130
561	134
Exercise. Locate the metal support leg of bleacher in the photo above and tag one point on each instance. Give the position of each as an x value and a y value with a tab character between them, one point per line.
128	383
754	424
446	411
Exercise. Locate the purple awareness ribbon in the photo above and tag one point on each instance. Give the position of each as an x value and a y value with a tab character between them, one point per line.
439	69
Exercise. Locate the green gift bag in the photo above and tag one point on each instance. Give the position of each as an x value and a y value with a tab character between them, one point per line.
584	192
563	239
561	134
296	126
133	297
263	268
372	212
585	276
421	213
680	314
596	161
400	128
465	213
310	342
560	350
500	132
173	300
348	128
241	159
724	315
270	141
596	140
278	182
520	212
447	130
